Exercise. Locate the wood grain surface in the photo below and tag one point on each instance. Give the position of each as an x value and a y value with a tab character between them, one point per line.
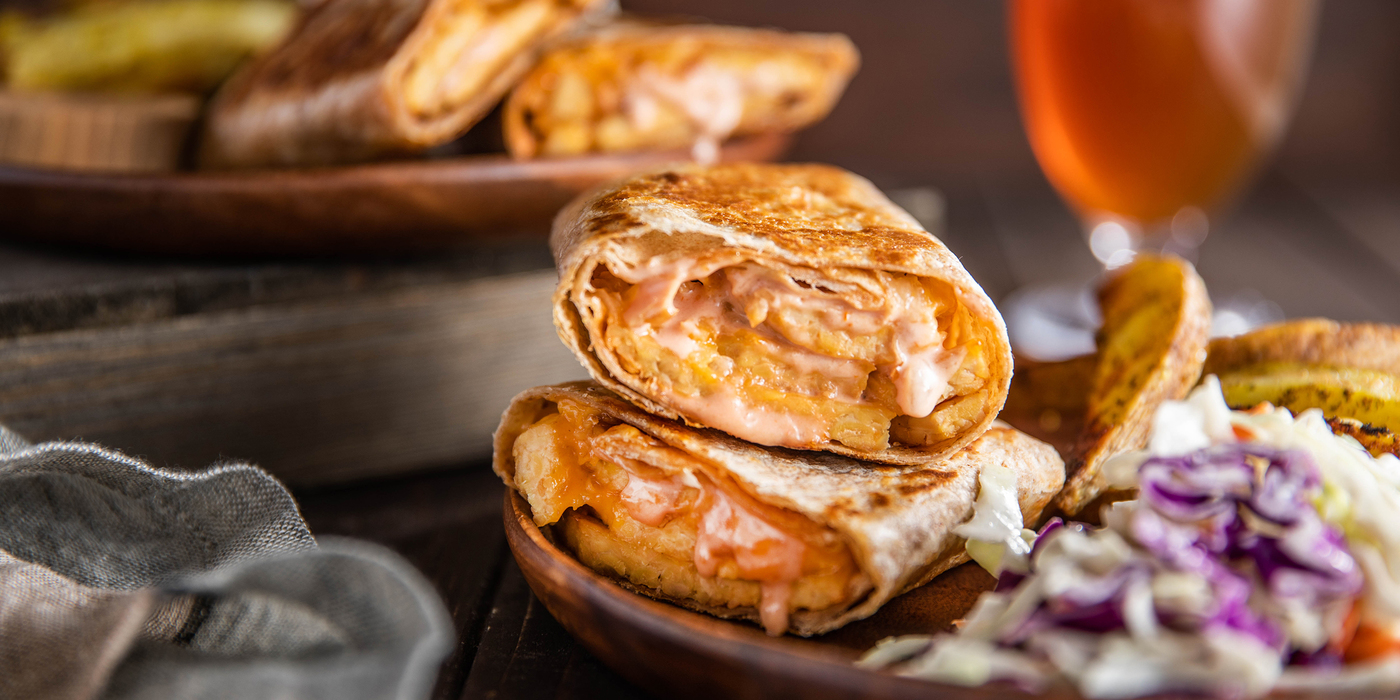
382	207
315	392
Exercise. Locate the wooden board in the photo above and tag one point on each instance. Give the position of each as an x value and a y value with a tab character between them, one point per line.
321	391
384	207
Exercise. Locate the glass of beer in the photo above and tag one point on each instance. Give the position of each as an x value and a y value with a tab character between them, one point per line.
1147	115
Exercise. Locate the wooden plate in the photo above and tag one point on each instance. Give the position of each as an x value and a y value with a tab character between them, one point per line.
384	207
675	653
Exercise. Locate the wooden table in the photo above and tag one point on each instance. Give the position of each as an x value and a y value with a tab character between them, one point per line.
1313	251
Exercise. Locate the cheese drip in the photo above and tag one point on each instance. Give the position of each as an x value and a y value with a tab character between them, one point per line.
622	474
760	551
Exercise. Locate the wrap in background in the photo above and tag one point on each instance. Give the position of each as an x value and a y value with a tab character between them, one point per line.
787	305
635	85
358	79
801	541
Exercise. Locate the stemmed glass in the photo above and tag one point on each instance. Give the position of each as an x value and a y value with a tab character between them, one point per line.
1147	116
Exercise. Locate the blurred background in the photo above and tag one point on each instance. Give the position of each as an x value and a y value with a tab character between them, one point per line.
934	102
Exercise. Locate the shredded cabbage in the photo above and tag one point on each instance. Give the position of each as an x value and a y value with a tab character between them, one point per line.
996	537
1360	494
1253	537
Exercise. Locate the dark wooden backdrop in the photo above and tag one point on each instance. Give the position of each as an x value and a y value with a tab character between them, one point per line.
933	102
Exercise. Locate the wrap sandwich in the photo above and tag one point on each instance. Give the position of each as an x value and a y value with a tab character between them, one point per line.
358	79
635	85
787	305
802	542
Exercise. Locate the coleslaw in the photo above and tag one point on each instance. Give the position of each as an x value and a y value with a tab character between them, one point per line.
1262	552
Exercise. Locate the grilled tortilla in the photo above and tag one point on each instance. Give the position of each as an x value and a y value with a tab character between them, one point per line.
787	305
363	78
634	86
802	542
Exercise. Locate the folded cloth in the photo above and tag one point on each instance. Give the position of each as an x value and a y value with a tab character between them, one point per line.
121	580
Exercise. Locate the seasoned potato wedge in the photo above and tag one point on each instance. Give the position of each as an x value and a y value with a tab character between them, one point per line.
1375	439
1349	370
1151	347
1313	342
1341	392
1048	399
141	47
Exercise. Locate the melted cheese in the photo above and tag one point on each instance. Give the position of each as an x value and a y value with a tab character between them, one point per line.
641	488
770	358
759	551
651	501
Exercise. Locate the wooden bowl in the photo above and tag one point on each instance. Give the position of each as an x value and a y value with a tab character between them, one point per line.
675	653
410	206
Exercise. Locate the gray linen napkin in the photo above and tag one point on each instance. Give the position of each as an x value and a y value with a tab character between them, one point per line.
119	580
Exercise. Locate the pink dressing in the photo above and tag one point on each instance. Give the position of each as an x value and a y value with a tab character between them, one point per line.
763	553
764	424
726	529
651	501
710	97
654	295
678	332
694	304
723	408
920	373
919	381
774	293
774	606
657	283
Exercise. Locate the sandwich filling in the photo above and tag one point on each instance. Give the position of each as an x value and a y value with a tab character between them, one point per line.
788	356
469	43
658	87
634	507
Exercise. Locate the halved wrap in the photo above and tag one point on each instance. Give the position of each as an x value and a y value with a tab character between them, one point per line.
803	542
361	78
635	85
787	305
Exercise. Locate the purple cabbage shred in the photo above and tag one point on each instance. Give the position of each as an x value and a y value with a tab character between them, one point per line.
1240	517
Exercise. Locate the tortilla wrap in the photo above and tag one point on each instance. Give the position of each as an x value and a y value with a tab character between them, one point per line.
359	79
638	85
893	523
788	305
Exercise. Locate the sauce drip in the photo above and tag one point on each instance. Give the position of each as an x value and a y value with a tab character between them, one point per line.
674	303
734	538
760	551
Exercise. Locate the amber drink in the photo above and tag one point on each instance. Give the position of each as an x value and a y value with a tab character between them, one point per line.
1140	109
